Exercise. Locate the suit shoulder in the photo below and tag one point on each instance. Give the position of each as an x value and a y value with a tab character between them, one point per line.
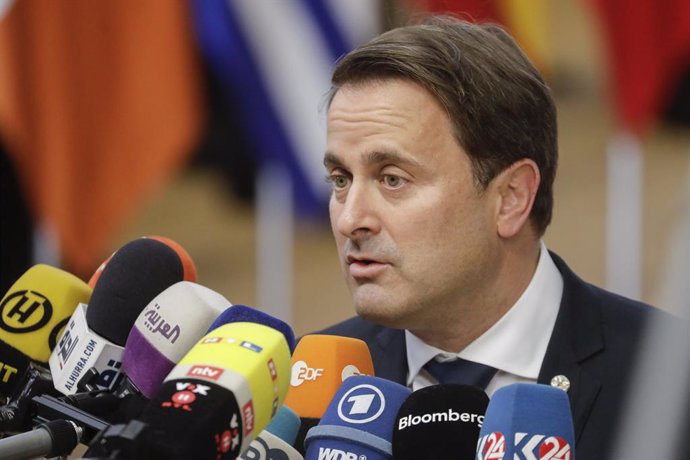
355	327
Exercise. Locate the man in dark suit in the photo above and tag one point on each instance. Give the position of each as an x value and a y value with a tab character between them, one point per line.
442	152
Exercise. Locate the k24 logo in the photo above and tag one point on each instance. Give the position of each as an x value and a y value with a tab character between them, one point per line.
527	447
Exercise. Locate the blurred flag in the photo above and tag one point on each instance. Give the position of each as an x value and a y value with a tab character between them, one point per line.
274	59
649	50
99	104
527	20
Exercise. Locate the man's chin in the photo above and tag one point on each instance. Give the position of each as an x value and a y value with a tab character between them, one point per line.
382	317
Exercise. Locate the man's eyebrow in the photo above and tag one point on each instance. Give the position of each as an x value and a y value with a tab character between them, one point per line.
372	158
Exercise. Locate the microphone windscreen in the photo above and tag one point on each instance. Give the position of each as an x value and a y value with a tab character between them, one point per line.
285	425
439	419
166	329
240	373
242	313
527	421
187	263
33	313
135	274
320	364
358	422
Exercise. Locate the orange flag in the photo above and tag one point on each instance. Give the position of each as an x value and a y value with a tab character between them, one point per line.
100	102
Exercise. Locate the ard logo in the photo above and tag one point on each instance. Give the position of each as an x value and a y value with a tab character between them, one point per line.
25	311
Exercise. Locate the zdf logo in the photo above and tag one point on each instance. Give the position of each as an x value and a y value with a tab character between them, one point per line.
25	311
301	372
361	404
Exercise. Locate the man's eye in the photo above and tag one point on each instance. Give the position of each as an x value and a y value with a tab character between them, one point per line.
393	181
338	180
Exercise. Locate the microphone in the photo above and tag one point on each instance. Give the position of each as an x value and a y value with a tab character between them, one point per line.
188	264
358	422
244	314
32	313
439	419
94	336
320	364
167	328
219	396
164	331
276	441
52	439
526	420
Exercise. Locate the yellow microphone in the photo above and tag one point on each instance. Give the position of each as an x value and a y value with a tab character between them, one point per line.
222	393
33	313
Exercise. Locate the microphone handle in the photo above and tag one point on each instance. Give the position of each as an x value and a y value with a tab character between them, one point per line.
55	438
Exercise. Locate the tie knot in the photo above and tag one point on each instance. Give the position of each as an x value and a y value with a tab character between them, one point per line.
461	371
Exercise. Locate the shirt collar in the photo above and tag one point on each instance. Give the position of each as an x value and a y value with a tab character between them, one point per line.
517	342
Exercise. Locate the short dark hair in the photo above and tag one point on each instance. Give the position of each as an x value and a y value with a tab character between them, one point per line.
498	103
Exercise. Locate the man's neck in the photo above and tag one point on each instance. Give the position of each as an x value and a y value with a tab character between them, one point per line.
461	326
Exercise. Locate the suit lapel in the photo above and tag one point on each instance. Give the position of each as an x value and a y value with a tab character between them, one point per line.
389	353
577	336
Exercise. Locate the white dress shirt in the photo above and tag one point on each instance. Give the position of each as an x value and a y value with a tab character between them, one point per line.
515	345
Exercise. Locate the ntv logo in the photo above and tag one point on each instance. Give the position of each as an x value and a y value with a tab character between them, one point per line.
493	447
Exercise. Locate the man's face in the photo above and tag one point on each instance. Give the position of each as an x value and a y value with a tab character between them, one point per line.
416	238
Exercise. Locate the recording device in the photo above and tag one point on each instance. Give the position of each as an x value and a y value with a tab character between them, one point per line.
166	329
527	421
358	422
52	439
188	264
437	420
276	441
220	395
94	336
242	313
33	312
320	364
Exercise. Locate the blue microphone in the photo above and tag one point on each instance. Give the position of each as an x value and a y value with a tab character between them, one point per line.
358	422
244	314
527	421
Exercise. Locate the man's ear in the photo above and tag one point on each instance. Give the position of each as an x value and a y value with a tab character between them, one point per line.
517	186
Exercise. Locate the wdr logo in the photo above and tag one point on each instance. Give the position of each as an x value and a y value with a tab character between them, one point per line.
361	404
326	453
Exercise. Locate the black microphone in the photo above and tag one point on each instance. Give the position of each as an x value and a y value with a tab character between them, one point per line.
221	394
52	439
437	420
95	335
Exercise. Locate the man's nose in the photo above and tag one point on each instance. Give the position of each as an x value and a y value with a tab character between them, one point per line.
357	215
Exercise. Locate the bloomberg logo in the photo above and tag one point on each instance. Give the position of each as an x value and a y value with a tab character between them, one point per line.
361	404
447	416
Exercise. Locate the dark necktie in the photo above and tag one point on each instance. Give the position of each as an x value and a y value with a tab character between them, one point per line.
461	371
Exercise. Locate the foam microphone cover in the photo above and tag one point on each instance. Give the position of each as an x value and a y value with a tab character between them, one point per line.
242	313
527	421
187	262
33	313
439	419
133	276
166	330
358	422
320	364
239	373
275	442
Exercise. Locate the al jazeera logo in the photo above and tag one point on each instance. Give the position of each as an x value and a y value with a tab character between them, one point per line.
25	311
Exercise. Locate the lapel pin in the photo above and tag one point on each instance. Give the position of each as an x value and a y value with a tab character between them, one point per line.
561	381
